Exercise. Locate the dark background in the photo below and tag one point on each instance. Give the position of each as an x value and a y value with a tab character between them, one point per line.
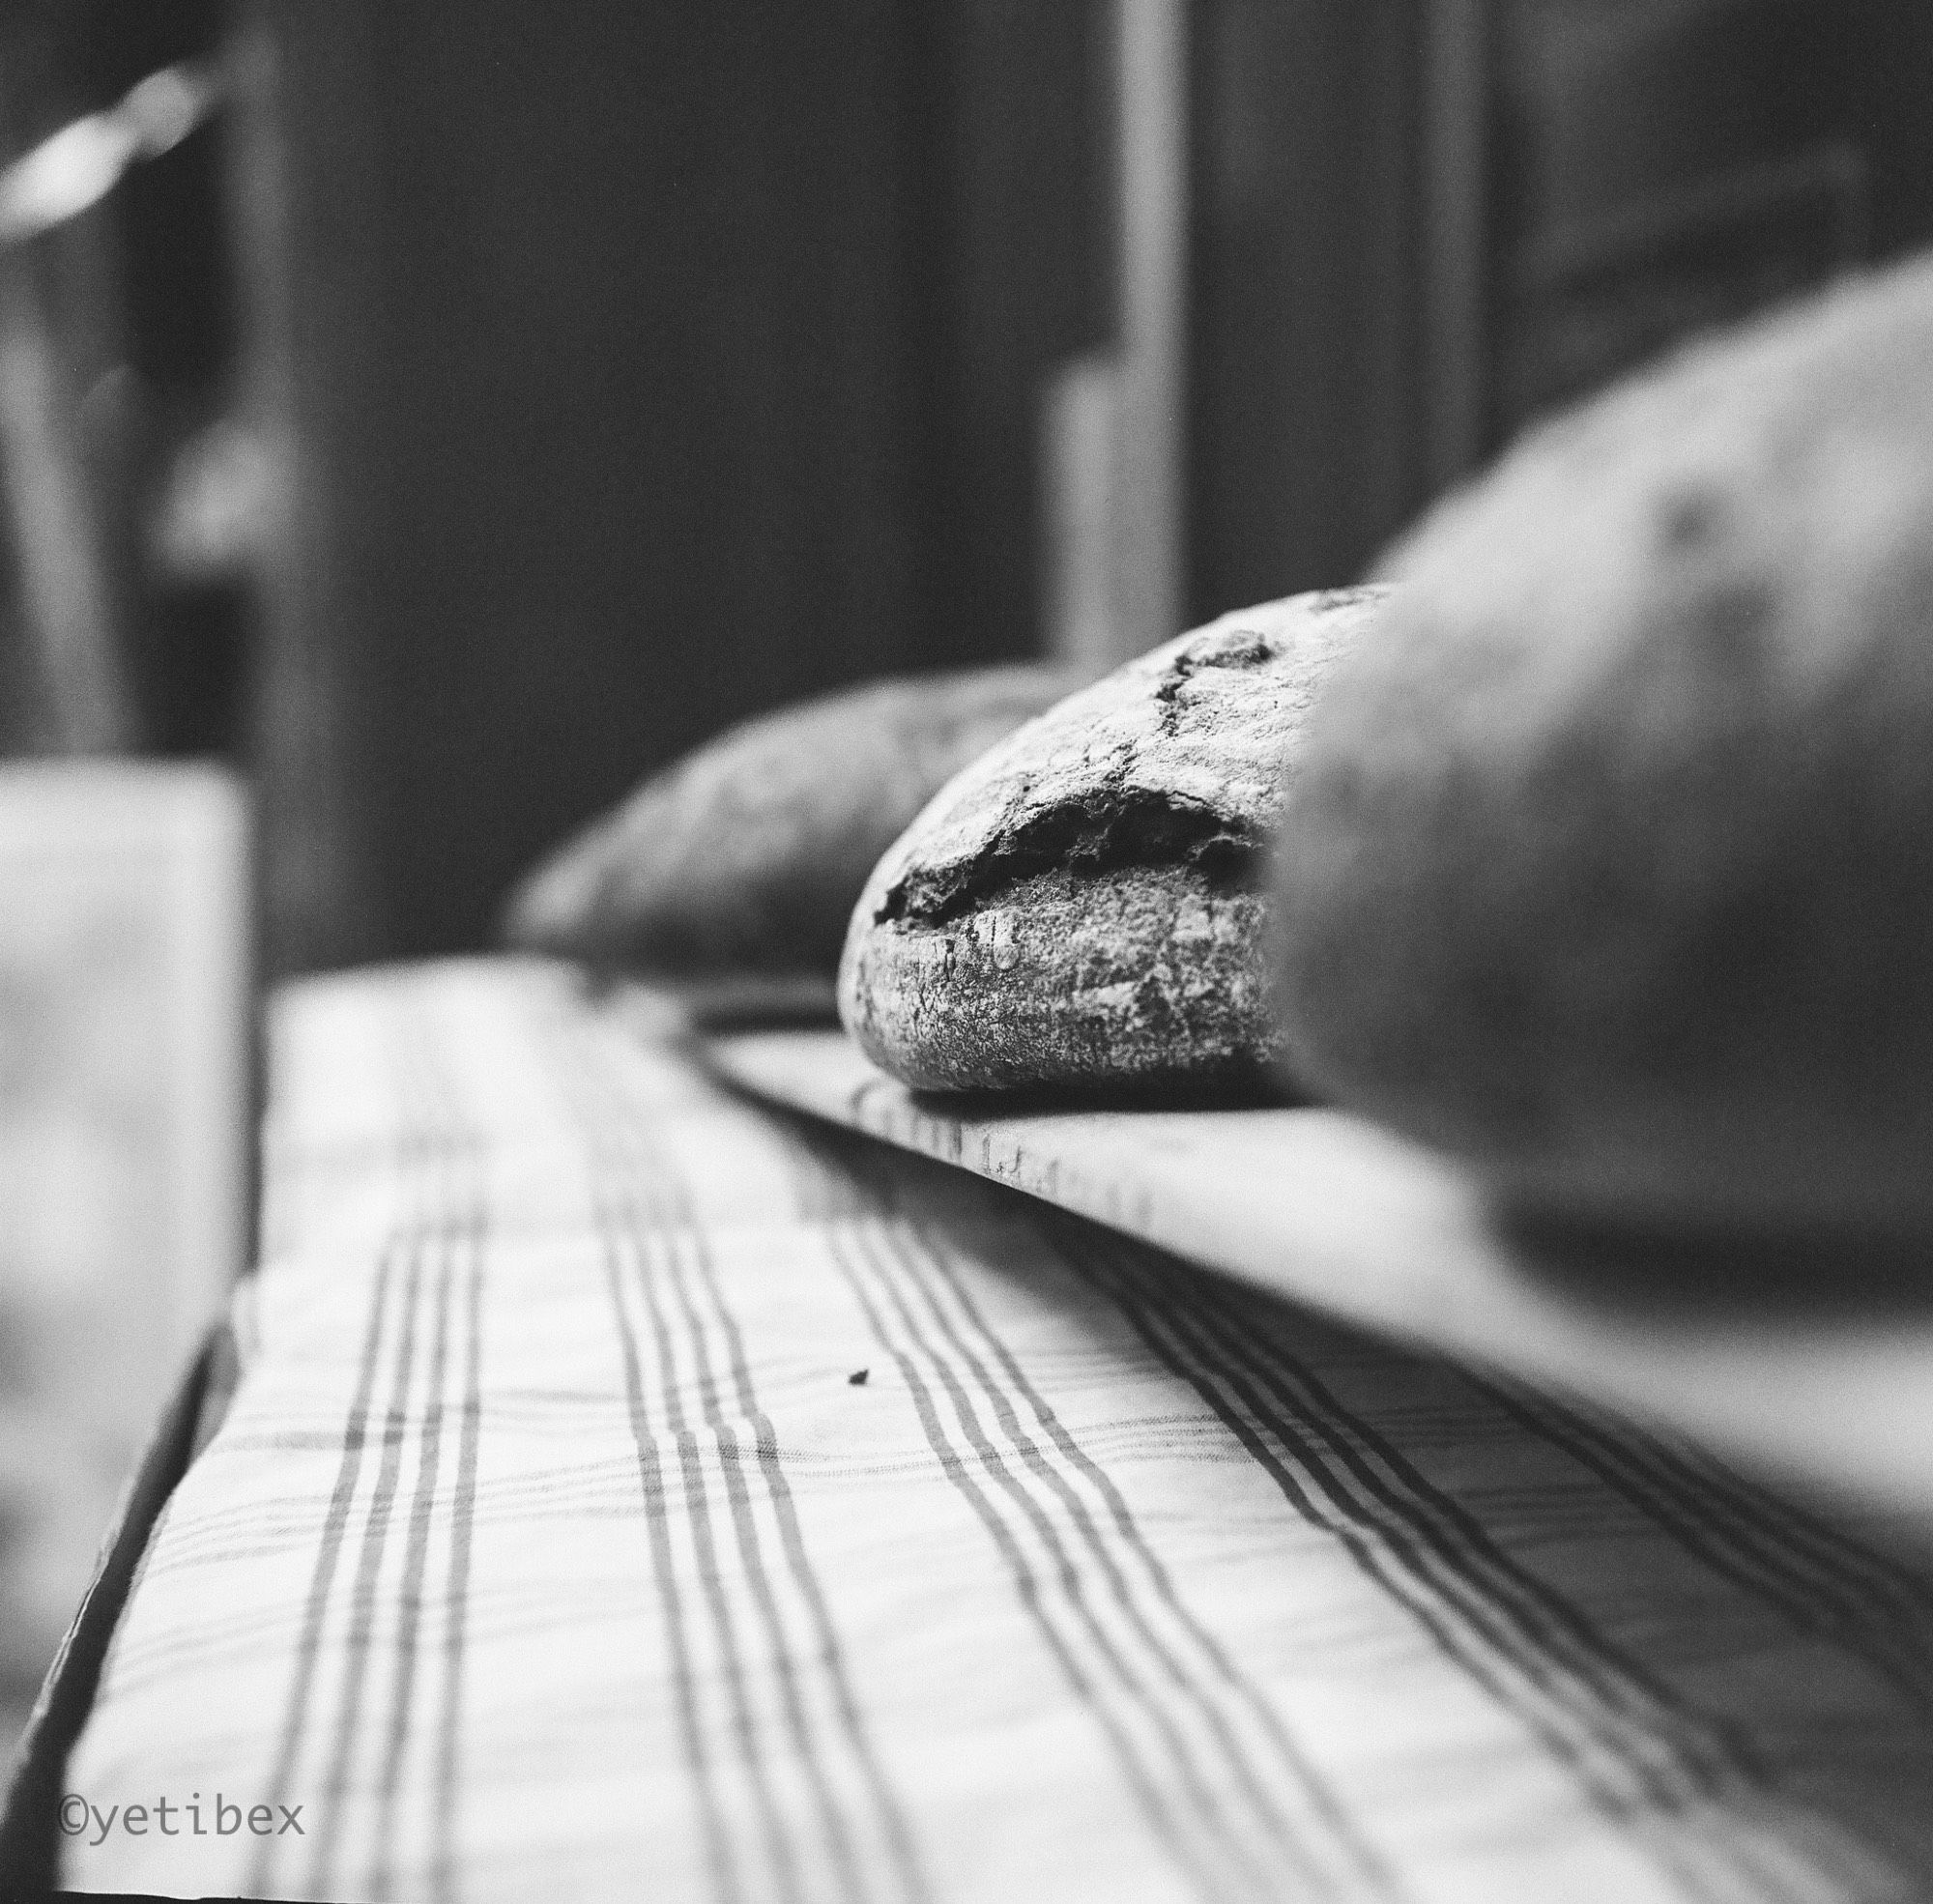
672	362
628	369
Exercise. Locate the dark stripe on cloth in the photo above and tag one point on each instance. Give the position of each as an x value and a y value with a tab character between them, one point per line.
1582	1702
456	1590
1524	1642
1291	1769
403	1243
1139	1664
711	1578
1148	1792
374	1530
685	1248
1825	1583
839	1175
618	1249
463	1249
648	1239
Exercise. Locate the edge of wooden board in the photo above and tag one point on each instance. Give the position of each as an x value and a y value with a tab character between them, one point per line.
1331	1213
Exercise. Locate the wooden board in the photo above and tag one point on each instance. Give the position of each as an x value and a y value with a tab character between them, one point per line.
1824	1379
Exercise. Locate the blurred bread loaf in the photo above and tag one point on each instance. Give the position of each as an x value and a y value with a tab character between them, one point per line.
1077	910
734	870
1610	865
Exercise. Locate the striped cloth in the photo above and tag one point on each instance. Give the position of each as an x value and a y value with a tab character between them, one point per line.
633	1492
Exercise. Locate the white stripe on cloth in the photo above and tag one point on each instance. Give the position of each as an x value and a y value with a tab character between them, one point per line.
550	1549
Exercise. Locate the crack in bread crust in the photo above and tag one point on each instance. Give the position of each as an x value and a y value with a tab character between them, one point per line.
1105	832
1078	907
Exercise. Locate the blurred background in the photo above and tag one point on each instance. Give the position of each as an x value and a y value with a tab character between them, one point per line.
479	406
444	412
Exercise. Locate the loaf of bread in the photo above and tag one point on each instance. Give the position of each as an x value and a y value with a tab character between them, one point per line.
732	873
1077	910
1610	865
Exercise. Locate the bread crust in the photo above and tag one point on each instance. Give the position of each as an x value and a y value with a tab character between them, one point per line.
738	865
1077	910
1611	862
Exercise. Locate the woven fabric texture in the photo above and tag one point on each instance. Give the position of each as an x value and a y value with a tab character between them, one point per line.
631	1492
